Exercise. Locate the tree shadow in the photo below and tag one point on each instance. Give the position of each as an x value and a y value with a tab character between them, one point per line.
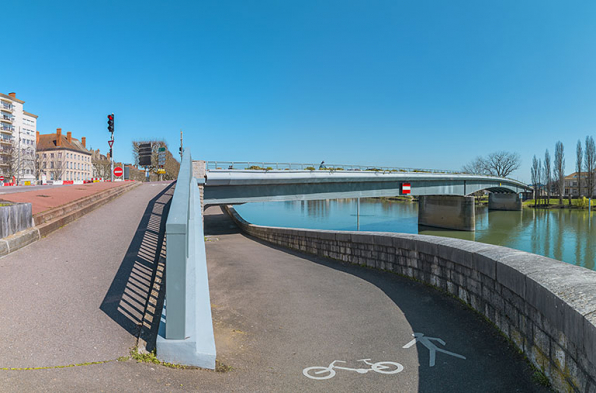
130	300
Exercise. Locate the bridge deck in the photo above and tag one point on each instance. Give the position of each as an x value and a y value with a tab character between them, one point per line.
237	186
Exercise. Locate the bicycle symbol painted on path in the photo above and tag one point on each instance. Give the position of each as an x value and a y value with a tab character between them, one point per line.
319	372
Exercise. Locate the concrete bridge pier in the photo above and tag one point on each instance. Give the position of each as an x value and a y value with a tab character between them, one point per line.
504	202
447	211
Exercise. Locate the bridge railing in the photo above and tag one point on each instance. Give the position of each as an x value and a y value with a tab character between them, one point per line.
186	330
259	165
280	166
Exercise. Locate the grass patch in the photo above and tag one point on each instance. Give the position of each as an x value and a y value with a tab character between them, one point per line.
540	378
150	357
53	367
581	203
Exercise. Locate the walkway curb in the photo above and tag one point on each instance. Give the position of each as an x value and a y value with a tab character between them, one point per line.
50	220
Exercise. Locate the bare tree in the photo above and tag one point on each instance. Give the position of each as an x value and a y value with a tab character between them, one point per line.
536	178
52	163
590	165
171	166
476	167
560	170
548	175
501	164
579	156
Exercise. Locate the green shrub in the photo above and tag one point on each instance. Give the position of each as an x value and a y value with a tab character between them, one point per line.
310	168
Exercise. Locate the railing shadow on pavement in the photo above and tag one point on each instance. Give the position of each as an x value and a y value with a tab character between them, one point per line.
130	301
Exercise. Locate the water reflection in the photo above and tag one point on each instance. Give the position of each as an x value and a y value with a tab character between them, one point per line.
561	234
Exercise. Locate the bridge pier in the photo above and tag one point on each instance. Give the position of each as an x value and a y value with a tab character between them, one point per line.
447	211
504	202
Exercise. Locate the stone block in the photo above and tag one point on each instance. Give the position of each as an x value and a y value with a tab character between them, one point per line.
517	337
541	340
590	341
452	288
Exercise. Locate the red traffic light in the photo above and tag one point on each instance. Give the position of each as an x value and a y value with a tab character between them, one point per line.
111	117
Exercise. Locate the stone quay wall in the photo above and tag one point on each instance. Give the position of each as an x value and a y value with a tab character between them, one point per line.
546	307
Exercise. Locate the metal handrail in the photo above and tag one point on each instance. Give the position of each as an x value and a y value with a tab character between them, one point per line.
261	165
243	165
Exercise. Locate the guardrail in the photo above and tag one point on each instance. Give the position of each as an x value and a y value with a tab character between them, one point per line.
186	329
281	166
244	165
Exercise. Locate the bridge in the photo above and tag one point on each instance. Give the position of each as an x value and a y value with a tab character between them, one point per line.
445	200
516	291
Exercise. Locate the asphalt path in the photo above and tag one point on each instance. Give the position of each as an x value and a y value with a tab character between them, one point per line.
66	299
276	313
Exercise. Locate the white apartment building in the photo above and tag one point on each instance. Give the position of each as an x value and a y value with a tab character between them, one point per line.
17	140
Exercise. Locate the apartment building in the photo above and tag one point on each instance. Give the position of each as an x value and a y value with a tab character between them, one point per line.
17	139
63	157
572	187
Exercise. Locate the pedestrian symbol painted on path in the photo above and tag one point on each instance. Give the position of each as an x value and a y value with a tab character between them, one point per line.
426	341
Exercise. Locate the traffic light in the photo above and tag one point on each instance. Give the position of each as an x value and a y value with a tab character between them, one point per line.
111	122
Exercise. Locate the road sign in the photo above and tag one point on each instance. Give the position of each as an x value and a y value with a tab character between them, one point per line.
1	178
110	142
161	149
405	188
118	171
161	171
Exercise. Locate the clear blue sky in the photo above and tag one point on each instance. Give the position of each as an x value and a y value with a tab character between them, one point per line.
407	83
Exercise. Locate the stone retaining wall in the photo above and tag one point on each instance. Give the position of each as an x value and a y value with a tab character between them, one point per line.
546	307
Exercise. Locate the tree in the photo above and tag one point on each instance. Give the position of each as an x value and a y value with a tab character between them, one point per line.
536	173
579	156
500	164
476	167
51	163
172	166
560	170
547	175
590	165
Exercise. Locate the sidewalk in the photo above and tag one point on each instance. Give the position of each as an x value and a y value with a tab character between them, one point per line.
42	200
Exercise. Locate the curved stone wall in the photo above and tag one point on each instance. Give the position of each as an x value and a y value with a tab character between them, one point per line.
546	307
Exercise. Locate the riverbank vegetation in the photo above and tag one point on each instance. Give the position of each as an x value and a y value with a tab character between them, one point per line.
545	203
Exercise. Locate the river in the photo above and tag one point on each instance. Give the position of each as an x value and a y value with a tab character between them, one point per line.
566	235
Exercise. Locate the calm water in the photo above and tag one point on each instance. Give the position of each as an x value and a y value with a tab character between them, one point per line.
566	235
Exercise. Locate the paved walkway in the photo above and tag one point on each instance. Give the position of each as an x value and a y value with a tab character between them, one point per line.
48	198
276	313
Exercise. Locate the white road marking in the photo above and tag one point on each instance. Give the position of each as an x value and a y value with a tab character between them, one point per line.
426	341
320	373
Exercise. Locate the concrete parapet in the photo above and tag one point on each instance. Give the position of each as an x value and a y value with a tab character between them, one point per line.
447	211
186	331
504	202
15	217
546	307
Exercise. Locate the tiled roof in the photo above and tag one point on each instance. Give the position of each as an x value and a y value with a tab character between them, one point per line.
48	142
